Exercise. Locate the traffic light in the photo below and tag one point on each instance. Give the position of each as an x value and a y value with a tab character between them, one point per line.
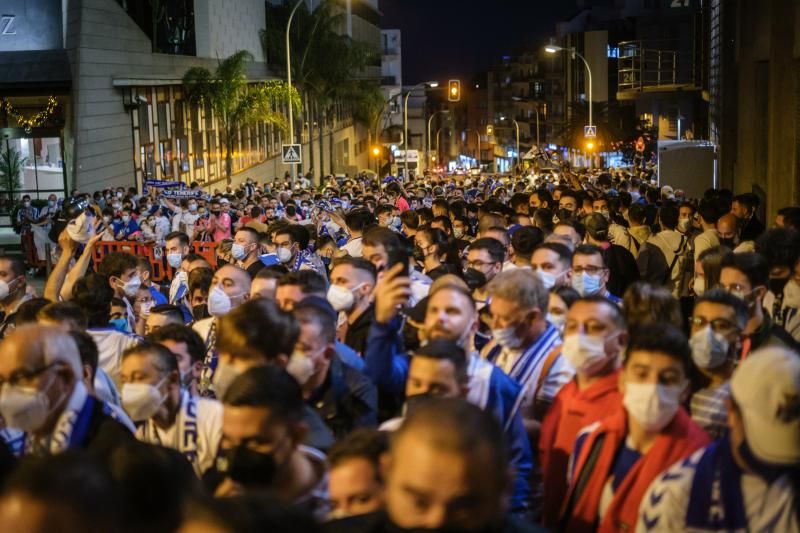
376	151
589	145
454	90
490	130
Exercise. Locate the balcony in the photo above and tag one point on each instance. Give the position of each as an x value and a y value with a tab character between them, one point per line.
644	70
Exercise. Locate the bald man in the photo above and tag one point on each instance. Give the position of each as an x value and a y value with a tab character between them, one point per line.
728	230
230	288
44	396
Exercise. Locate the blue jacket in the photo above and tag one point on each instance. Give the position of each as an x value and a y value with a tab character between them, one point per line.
387	367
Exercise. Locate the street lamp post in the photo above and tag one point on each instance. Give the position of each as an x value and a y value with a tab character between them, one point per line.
428	152
289	83
516	127
431	84
478	150
438	152
536	108
552	49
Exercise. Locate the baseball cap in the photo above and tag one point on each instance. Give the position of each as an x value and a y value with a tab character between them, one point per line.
597	226
766	389
224	201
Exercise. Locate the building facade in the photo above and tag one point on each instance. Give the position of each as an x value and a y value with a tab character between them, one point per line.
120	115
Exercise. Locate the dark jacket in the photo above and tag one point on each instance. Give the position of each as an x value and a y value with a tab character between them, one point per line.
622	267
346	400
752	229
356	336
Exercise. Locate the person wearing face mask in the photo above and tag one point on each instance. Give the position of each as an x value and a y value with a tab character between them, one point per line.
262	447
622	268
350	293
664	258
484	261
616	233
189	352
716	325
524	345
728	231
13	290
342	396
259	334
177	247
552	262
615	460
434	253
744	481
781	248
746	276
744	207
124	280
292	248
230	288
589	273
356	220
594	337
245	250
167	415
43	395
126	229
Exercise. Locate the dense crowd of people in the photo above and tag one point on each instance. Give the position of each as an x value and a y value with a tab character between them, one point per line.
583	352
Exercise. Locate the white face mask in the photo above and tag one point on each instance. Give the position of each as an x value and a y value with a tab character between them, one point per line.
507	337
586	353
219	303
284	254
174	260
684	225
141	400
6	288
24	408
699	286
131	287
341	298
301	366
709	349
653	406
558	321
224	375
548	278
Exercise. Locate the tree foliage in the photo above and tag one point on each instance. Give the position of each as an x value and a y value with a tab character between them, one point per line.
235	101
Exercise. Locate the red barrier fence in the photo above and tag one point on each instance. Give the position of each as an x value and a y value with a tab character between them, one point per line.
155	255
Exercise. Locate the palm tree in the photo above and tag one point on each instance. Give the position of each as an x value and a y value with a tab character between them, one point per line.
235	102
324	62
370	108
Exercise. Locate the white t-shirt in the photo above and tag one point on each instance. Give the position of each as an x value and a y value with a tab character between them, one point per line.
110	345
196	432
354	247
768	507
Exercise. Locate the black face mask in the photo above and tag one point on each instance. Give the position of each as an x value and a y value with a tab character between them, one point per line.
728	243
776	285
217	212
419	255
221	263
565	214
766	471
199	312
248	467
475	279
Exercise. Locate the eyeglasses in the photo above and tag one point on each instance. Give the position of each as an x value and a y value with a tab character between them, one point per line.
591	270
718	325
735	288
477	265
25	375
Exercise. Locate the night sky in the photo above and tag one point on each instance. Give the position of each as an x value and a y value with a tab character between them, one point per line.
459	38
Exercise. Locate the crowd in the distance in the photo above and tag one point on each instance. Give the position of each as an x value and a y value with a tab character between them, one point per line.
589	352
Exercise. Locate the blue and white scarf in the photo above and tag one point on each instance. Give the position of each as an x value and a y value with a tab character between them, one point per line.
186	434
715	500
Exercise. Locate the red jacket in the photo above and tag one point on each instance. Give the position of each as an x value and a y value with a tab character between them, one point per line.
572	410
678	440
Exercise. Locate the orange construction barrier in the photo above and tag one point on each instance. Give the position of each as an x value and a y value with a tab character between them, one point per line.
160	271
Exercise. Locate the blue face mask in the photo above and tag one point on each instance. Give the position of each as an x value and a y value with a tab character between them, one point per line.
586	284
120	324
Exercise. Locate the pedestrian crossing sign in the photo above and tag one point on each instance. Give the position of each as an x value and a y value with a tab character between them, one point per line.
291	154
590	132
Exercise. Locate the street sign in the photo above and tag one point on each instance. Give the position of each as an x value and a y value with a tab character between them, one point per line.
400	156
291	154
640	144
590	132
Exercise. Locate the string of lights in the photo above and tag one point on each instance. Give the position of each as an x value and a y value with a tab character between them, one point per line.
28	123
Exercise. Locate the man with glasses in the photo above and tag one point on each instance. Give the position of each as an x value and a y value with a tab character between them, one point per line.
43	394
485	258
746	275
590	272
717	323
